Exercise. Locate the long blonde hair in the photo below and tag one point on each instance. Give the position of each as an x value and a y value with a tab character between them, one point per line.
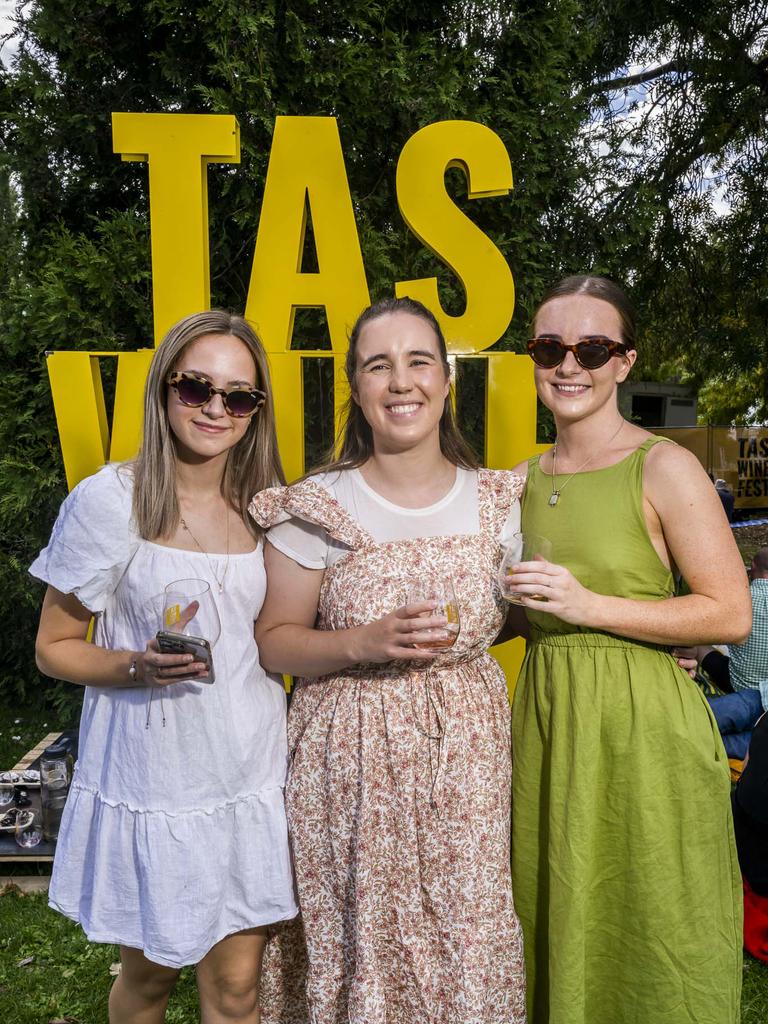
252	464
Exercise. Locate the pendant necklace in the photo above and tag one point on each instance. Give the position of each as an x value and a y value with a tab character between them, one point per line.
555	495
219	582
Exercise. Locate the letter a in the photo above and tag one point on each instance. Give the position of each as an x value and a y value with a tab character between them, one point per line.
306	171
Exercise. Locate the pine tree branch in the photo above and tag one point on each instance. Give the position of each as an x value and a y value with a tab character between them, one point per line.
627	81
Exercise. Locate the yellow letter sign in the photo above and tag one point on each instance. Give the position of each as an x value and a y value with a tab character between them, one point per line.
436	221
306	175
178	149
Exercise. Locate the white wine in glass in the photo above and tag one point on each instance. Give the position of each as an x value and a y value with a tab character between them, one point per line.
189	607
444	597
524	547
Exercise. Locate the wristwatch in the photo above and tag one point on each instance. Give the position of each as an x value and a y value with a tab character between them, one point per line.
133	674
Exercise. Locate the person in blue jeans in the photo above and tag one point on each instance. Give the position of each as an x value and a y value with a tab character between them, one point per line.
743	674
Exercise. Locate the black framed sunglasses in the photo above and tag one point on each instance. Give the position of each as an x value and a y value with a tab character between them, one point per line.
590	353
194	391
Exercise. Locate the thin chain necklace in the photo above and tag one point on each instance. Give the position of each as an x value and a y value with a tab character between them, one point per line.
220	582
555	495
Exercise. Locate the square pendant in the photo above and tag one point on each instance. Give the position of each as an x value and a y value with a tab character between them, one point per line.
554	498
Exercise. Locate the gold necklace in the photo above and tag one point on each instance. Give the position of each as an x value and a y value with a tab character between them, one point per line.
555	495
220	582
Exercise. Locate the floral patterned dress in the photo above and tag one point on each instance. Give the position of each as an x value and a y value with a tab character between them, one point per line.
399	795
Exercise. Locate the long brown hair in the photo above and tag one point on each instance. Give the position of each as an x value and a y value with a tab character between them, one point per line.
252	464
355	443
598	288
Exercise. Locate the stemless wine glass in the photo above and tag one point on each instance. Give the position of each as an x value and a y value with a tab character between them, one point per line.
189	607
524	547
29	828
442	593
7	793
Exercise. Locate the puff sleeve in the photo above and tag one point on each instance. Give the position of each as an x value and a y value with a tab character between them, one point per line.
93	539
305	522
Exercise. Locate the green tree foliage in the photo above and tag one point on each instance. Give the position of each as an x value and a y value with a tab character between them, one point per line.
76	216
603	181
681	202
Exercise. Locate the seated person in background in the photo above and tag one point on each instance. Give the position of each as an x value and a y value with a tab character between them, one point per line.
725	494
743	675
750	818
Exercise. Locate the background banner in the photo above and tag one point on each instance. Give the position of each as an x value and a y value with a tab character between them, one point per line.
738	455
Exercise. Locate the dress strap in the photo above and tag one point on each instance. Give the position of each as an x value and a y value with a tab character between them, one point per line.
310	501
649	442
497	491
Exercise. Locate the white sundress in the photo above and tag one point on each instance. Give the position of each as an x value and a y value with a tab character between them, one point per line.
174	833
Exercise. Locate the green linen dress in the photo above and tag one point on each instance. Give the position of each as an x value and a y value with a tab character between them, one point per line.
624	866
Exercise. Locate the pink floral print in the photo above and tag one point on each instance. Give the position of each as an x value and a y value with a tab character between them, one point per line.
399	796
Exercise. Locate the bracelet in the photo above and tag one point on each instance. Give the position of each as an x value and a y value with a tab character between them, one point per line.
133	674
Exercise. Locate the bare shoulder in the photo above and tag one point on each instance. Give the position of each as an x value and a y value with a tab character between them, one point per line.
666	461
674	480
521	469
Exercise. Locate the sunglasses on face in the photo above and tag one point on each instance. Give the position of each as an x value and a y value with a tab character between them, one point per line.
589	353
195	391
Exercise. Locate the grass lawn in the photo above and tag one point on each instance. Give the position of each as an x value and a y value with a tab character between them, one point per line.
20	731
49	973
754	993
749	539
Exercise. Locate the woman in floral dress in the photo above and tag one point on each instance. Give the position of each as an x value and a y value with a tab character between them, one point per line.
398	795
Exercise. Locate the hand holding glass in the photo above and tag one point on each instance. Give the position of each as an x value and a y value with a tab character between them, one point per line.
191	624
189	608
442	594
524	547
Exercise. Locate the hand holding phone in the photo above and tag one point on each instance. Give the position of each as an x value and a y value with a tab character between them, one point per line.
197	646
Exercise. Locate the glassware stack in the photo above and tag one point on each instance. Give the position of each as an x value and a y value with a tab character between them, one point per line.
55	778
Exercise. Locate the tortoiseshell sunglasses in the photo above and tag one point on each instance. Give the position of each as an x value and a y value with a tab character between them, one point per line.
195	391
590	353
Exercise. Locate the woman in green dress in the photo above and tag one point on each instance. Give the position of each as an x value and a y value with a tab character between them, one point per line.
625	872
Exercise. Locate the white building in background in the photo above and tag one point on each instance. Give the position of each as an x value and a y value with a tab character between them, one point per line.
658	405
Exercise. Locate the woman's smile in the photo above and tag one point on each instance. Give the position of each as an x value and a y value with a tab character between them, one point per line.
401	383
570	389
401	410
210	428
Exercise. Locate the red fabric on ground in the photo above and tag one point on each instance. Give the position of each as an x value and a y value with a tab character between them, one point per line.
755	923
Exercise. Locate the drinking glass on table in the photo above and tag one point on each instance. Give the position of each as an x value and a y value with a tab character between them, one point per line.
441	592
189	607
524	547
7	794
29	828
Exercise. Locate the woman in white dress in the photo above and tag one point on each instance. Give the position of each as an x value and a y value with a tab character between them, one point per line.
173	843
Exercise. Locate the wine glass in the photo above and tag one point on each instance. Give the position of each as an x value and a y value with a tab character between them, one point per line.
189	607
524	547
29	828
7	794
441	592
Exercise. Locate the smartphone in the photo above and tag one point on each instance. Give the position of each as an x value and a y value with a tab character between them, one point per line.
179	643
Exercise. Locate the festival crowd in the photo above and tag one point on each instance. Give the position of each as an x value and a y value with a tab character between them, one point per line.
399	847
